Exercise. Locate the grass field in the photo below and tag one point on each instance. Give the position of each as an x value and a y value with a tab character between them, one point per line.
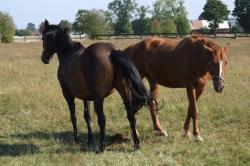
35	127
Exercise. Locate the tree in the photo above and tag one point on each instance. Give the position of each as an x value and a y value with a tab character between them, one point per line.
65	24
122	13
168	26
155	26
92	22
7	28
242	12
23	32
41	27
216	12
181	21
165	9
182	24
31	27
141	25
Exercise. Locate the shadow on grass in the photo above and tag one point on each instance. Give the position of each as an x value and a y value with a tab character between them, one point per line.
17	149
64	138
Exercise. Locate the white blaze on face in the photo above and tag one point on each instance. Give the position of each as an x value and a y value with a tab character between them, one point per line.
220	69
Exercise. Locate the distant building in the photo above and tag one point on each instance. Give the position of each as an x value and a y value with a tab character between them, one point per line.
200	25
232	22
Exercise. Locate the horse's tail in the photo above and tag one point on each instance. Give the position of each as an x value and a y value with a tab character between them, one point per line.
129	72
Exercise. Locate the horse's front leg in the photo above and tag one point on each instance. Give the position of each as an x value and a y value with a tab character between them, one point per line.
71	104
87	118
193	95
154	92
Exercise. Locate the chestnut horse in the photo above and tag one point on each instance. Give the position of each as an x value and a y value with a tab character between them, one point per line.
92	74
185	64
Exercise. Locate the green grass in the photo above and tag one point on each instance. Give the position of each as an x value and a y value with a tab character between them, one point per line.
35	127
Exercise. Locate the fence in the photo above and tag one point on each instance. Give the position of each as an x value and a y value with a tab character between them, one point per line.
134	36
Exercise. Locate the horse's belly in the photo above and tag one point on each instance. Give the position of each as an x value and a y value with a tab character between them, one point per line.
80	90
172	84
168	78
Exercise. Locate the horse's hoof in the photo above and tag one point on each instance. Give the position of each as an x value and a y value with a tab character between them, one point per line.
198	138
161	133
187	134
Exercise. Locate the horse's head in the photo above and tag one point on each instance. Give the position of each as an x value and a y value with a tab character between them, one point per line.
50	37
217	62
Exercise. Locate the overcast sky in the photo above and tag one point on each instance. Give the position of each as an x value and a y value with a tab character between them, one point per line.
26	11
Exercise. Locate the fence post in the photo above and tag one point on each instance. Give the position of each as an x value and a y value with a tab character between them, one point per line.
235	35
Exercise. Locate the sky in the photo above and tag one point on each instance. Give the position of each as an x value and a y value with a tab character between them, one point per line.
26	11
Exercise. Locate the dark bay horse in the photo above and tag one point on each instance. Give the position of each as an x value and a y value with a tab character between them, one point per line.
92	74
188	64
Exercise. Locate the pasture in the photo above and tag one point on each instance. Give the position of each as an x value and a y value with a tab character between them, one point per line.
35	127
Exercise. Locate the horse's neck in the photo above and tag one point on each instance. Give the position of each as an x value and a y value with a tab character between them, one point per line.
192	52
69	50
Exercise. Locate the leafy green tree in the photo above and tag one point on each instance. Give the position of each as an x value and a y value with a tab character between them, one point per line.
7	28
142	23
242	12
168	26
165	9
92	22
181	20
155	26
215	11
182	24
122	11
31	27
23	32
110	22
65	24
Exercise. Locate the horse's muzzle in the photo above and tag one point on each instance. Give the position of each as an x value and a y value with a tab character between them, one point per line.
218	83
45	60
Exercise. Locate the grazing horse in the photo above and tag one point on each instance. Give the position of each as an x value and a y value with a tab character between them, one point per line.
188	64
92	74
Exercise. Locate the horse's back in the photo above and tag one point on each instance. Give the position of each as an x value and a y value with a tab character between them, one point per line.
146	52
156	59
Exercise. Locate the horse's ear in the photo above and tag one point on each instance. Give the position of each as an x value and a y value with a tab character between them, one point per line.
46	24
227	47
60	24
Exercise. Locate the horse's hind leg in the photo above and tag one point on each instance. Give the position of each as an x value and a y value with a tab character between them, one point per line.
71	103
154	90
87	118
130	113
98	106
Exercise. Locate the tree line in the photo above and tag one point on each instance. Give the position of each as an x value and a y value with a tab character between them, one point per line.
127	17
